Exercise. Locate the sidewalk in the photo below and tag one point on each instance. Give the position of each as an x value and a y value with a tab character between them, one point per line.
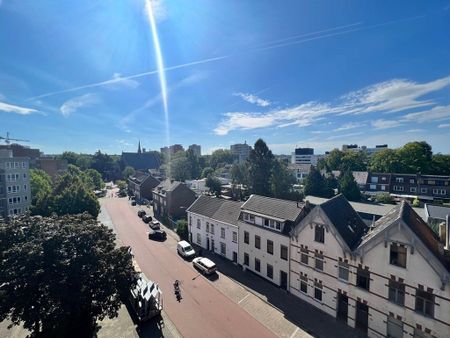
295	310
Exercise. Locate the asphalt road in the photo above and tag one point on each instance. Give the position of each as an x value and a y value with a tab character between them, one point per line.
203	310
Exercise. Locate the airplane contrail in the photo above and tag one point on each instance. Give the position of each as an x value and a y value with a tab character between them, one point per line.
134	76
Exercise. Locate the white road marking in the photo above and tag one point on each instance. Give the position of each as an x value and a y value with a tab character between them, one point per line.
295	331
248	294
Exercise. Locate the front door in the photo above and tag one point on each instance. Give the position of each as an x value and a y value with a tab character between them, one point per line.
283	279
362	317
212	244
342	307
235	256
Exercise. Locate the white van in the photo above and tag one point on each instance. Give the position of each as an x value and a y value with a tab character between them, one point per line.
185	249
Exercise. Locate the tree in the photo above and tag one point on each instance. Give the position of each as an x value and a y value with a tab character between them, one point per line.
207	171
354	161
104	164
239	173
127	172
260	169
182	229
70	157
385	198
59	275
440	165
281	180
416	157
194	167
386	161
41	192
95	179
214	185
348	186
316	185
220	157
334	159
179	169
121	184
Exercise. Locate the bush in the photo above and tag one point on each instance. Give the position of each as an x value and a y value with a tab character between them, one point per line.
182	229
416	203
384	198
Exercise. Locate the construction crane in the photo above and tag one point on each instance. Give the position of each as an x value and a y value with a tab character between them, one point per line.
8	139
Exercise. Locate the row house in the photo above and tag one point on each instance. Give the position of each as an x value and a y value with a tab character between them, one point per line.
141	185
264	236
172	198
213	225
389	280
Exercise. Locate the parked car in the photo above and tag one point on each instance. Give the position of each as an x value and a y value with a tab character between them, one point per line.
133	203
185	250
141	213
147	218
159	234
155	225
204	265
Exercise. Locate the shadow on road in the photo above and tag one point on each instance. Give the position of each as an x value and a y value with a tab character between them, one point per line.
151	328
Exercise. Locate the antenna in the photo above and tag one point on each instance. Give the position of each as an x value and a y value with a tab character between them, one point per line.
8	139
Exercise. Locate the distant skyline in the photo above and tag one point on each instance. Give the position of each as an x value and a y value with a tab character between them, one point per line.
82	76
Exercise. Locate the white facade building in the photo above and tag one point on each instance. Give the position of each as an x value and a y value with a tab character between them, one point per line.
299	171
392	282
264	227
241	151
305	156
213	225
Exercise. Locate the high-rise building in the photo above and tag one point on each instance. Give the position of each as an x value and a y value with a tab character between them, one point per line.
15	190
196	149
241	151
173	149
305	156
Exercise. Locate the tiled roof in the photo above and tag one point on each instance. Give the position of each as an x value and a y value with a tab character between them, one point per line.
216	208
299	166
141	161
345	219
168	185
139	177
282	209
437	211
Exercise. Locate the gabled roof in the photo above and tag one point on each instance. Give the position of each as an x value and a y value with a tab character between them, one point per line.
281	209
216	208
437	211
139	177
345	219
404	212
168	185
142	161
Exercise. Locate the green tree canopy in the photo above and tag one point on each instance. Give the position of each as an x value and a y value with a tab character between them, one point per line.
214	185
386	161
440	165
95	179
348	186
220	157
354	161
416	157
182	229
281	180
60	275
239	173
180	169
260	169
41	192
207	171
128	171
317	185
104	164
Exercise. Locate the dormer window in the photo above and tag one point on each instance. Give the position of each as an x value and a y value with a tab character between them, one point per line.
319	235
398	255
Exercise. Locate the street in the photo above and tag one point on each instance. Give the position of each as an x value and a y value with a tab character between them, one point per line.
203	310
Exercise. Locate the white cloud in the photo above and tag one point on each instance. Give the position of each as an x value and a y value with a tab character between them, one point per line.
10	108
71	106
124	143
438	113
118	82
336	137
159	10
445	125
385	124
250	98
350	125
414	130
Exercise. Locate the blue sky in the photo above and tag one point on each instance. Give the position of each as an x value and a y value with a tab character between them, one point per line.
83	75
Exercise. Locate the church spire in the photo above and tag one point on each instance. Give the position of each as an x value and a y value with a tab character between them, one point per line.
139	147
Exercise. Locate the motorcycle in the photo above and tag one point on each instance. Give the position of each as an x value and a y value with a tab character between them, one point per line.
177	291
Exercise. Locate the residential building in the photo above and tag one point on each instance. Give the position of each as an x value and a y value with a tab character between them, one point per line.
173	149
436	214
196	149
424	187
198	186
378	183
299	171
241	151
368	151
19	150
141	185
392	281
305	156
141	160
213	225
360	177
15	190
172	198
52	165
264	227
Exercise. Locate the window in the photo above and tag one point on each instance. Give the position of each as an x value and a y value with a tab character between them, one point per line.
270	246
424	302
246	237
24	175
423	190
251	218
211	229
413	189
304	255
266	222
319	234
373	187
397	292
284	252
223	248
418	333
343	270
199	224
269	271
398	188
431	182
394	327
318	260
411	181
363	278
398	255
222	233
207	226
257	265
318	290
246	259
199	239
374	179
303	282
234	237
383	187
23	165
399	179
190	219
257	242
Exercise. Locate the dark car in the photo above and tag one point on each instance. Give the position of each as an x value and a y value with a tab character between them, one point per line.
141	213
159	235
133	203
155	225
147	218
